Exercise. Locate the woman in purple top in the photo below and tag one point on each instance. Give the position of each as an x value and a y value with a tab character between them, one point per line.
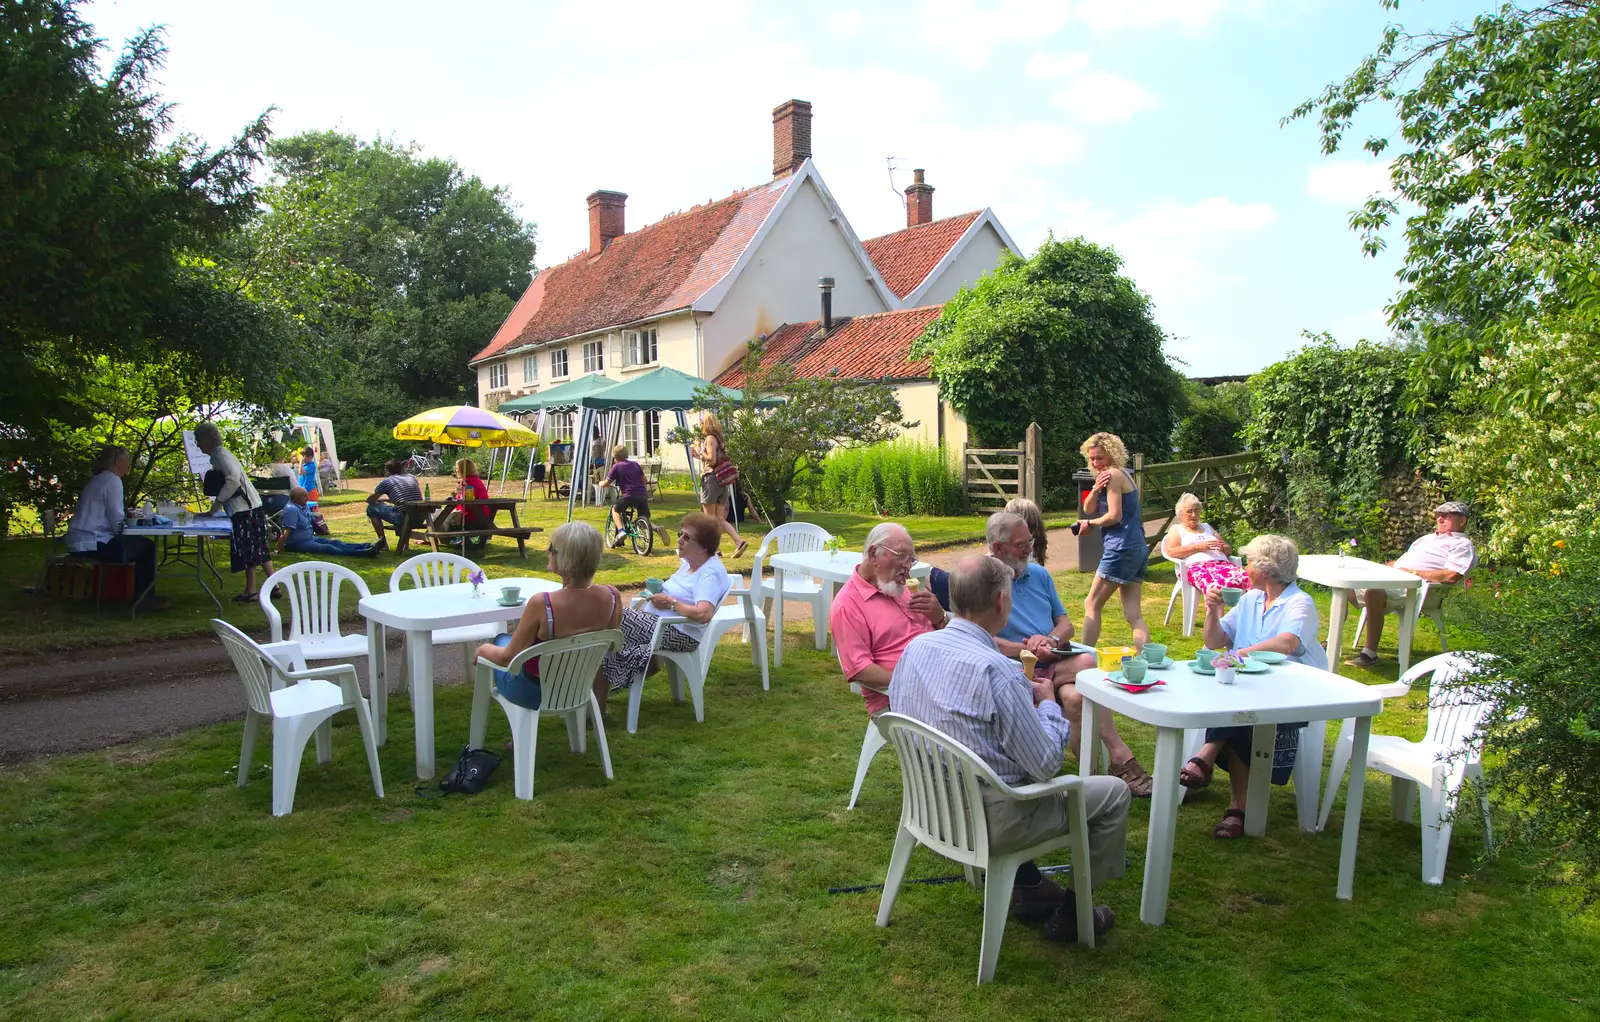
632	491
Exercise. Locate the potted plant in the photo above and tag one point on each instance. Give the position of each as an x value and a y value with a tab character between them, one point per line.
1227	664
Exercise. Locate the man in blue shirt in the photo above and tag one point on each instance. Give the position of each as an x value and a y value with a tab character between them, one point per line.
299	536
1040	625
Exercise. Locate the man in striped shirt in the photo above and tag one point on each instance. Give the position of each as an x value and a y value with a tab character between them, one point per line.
958	681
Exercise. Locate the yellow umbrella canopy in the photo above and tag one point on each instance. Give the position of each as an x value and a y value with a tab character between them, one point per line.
465	426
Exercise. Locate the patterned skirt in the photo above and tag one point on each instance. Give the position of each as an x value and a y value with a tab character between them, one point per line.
249	545
1209	575
626	665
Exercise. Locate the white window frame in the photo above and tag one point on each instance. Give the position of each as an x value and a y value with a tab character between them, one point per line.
594	357
559	367
561	425
499	376
630	433
652	432
641	347
530	369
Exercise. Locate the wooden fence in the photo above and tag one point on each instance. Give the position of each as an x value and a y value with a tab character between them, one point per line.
994	475
1226	485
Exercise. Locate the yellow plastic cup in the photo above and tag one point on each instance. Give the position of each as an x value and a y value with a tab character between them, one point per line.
1109	658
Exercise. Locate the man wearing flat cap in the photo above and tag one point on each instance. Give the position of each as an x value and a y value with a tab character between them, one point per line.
1444	555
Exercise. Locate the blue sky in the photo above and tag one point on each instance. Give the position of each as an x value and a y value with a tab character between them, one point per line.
1150	125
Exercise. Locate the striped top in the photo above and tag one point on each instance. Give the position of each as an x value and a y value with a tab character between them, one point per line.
957	681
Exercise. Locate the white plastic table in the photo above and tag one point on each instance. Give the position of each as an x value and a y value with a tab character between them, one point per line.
1284	694
201	530
832	569
418	612
1356	573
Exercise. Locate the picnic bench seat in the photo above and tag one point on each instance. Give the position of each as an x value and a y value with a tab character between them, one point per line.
516	530
415	521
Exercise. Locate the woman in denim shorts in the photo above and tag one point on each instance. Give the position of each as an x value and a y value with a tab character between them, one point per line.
1113	504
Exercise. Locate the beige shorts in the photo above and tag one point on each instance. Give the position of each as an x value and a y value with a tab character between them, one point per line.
1396	596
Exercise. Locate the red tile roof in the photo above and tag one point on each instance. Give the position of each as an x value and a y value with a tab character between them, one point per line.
860	347
648	272
905	258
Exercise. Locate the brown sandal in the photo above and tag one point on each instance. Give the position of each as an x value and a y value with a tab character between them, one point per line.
1138	779
1232	825
1202	768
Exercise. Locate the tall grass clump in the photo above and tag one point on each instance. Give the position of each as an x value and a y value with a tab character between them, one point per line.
904	477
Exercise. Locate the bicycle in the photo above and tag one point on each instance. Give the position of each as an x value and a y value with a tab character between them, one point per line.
427	463
638	529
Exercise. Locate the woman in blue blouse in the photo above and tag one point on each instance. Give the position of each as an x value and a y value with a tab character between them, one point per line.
1277	616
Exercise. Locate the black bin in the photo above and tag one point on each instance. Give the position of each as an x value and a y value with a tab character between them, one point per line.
1091	542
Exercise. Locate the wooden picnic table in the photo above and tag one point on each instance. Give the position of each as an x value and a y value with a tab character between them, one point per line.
429	508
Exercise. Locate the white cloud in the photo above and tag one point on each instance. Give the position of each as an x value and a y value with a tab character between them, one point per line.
1347	182
969	29
1101	97
844	23
1117	14
1048	67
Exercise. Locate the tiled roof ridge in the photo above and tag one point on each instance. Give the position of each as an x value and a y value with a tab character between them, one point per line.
868	346
739	193
970	216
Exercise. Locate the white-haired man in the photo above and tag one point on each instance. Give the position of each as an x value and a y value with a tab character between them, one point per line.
875	615
959	682
1040	625
1444	555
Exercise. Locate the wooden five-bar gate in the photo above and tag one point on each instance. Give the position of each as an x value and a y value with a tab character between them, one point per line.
1227	485
994	475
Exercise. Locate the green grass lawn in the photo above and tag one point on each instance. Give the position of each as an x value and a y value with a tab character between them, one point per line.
141	883
28	623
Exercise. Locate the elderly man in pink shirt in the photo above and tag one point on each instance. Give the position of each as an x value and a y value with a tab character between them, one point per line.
1444	555
875	614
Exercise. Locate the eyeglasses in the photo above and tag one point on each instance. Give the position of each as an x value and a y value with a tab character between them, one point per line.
1021	544
555	551
898	556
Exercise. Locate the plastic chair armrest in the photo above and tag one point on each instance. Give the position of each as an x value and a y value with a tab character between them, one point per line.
286	653
1039	789
1392	690
349	681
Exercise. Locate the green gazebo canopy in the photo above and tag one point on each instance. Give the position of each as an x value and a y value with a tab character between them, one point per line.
658	390
566	397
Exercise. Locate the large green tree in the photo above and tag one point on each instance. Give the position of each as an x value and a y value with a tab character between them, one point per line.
115	243
1063	339
405	264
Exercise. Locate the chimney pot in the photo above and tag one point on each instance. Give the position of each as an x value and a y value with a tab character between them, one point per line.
791	136
919	200
606	219
825	285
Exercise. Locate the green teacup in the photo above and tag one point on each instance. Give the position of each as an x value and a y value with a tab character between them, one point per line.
1133	670
653	585
1154	652
1230	595
1202	658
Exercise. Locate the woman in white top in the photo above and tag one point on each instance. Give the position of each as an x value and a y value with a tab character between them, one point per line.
695	591
1202	553
96	527
248	547
1277	616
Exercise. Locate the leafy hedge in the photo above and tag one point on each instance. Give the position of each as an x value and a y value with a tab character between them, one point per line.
898	478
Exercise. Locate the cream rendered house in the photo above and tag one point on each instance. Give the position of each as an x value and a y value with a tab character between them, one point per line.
691	289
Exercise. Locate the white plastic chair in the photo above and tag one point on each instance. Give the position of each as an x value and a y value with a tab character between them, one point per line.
1447	755
313	589
567	669
1191	595
295	711
942	809
440	569
870	745
793	538
1430	602
691	667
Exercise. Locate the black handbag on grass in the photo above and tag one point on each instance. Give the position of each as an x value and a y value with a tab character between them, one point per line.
469	776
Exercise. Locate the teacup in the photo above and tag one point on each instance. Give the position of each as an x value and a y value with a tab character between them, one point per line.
1230	595
1154	652
1133	669
510	594
1202	658
653	585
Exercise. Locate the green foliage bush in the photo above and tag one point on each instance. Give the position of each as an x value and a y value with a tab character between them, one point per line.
903	477
1543	739
1213	424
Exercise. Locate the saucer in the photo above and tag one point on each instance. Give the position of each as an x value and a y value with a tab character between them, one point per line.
519	601
1163	665
1267	656
1115	677
1196	668
1252	666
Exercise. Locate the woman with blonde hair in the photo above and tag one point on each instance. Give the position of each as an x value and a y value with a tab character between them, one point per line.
459	516
1201	554
1113	504
712	450
1028	511
578	606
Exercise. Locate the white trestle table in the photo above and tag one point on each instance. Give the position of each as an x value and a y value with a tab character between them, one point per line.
831	569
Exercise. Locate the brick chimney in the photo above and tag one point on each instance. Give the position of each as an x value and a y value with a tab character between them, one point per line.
791	136
605	219
919	200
